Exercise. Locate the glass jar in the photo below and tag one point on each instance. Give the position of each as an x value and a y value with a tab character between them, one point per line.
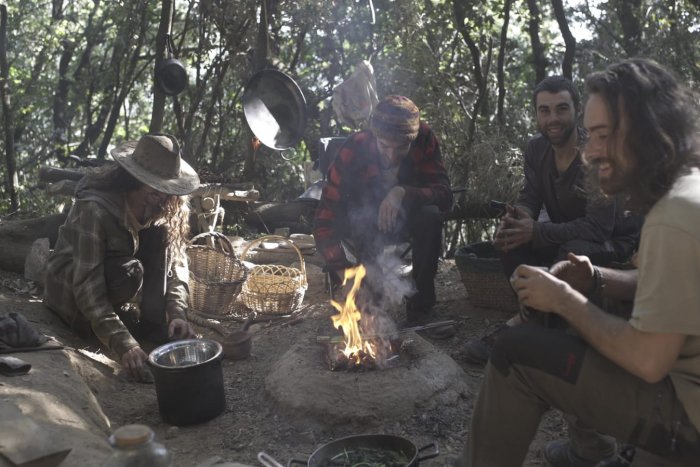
134	447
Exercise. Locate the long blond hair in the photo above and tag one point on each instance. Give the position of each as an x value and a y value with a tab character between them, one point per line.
175	212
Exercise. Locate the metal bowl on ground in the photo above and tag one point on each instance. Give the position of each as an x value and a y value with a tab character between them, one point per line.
189	380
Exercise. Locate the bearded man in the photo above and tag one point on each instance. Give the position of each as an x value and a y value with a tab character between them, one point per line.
636	379
119	267
576	221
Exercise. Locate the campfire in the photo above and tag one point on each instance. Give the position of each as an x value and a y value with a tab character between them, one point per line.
363	346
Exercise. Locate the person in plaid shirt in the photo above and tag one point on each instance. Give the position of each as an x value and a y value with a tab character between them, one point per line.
387	184
124	241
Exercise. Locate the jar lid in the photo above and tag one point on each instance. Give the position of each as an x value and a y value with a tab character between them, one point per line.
131	435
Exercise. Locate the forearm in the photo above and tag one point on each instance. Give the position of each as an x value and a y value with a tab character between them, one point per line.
620	284
616	339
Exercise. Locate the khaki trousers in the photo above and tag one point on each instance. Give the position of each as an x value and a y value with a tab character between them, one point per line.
533	369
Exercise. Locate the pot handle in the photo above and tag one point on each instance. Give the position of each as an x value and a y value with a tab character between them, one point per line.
267	460
297	461
433	445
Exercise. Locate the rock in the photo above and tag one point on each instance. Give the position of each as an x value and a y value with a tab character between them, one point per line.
172	432
36	260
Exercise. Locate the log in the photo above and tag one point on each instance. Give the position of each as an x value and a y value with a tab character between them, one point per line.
54	174
474	211
16	238
62	188
226	192
298	215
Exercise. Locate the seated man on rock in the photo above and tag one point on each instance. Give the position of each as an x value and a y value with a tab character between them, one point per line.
636	379
388	185
119	268
578	222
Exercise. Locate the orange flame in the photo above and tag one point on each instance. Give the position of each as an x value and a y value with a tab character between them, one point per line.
349	316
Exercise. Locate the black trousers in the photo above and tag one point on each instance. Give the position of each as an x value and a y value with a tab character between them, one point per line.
600	254
422	227
126	276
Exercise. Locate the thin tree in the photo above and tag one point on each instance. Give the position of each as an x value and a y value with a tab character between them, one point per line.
500	72
539	61
569	40
12	181
166	15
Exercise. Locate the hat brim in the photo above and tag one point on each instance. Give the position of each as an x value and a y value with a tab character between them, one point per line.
184	184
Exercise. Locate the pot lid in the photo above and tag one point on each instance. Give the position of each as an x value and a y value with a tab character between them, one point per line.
275	109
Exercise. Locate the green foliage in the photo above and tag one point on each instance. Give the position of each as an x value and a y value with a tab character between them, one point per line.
415	47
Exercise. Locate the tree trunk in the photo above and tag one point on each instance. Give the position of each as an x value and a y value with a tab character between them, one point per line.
569	40
260	61
539	61
629	12
158	113
501	63
59	138
129	76
12	181
479	77
16	238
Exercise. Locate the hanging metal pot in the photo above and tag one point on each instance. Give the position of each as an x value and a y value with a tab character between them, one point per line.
275	109
170	74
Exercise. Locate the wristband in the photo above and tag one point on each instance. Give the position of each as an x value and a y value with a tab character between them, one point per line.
597	287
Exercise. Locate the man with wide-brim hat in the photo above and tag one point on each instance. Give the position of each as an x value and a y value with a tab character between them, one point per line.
119	267
388	185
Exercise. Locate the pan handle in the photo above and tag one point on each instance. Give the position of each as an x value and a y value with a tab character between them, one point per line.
267	460
297	461
433	445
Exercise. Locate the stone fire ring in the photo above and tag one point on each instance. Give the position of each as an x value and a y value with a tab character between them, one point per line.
302	386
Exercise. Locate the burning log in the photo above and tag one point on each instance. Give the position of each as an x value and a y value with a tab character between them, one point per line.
338	361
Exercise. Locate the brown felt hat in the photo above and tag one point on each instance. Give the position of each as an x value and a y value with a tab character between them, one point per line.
396	118
155	160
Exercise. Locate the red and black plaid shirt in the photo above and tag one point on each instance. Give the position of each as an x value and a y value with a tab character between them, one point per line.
354	182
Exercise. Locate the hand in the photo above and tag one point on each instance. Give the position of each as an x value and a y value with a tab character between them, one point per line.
180	329
133	361
577	271
515	229
540	290
389	209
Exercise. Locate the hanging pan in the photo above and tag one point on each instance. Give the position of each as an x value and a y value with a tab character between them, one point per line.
170	73
275	109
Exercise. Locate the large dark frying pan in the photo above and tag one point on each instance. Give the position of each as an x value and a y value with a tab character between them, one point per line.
329	453
275	109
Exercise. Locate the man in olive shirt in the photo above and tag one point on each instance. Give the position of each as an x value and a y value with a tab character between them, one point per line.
636	379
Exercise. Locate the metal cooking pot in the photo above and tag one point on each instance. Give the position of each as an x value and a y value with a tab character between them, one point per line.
323	455
171	76
275	109
189	381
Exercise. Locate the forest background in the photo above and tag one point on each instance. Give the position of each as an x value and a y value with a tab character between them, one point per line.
76	78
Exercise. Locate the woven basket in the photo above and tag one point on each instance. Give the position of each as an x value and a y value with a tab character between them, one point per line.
272	288
483	277
216	276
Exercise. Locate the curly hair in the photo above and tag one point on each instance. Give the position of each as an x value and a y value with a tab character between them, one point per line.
174	213
662	133
556	84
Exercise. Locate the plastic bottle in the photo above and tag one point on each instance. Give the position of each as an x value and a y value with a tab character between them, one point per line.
134	447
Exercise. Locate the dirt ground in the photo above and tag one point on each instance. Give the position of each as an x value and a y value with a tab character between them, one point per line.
250	422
